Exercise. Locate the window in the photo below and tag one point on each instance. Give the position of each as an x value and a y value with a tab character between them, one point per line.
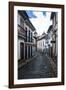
28	36
26	33
31	36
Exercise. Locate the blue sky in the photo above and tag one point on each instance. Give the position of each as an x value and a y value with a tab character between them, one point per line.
40	20
32	15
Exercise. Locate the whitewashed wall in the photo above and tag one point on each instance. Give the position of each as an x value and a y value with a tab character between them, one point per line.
40	45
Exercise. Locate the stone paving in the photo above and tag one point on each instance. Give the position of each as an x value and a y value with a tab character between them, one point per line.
40	67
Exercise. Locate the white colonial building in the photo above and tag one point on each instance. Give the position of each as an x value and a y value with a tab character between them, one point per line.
34	48
25	36
41	43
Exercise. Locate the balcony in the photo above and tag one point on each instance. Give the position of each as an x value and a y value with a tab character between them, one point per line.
21	32
53	41
28	39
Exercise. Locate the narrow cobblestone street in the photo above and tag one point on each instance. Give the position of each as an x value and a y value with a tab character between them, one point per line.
40	67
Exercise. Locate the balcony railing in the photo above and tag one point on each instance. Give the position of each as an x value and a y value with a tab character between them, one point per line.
53	41
28	39
21	32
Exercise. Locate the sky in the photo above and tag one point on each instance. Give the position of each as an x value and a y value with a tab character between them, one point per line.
40	20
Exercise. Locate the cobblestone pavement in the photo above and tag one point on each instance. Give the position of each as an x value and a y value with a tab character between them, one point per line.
40	67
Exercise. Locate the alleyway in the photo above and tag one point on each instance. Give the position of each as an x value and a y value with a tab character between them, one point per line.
40	67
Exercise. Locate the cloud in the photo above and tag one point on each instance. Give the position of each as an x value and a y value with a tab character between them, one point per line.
30	14
42	22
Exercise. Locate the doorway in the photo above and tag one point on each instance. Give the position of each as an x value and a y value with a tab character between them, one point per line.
22	50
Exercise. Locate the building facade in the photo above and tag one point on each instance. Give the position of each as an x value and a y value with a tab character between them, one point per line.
49	35
41	43
34	48
54	18
25	36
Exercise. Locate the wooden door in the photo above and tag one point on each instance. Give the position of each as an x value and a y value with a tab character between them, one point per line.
25	51
22	50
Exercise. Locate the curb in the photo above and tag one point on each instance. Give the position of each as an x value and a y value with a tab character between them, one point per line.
52	63
27	61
